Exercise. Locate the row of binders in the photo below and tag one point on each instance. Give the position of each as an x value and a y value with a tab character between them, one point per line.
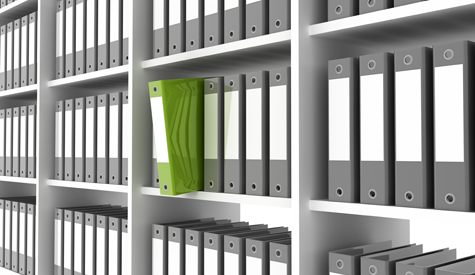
384	259
401	128
186	25
91	240
246	133
17	234
338	9
18	142
18	53
91	35
90	145
209	246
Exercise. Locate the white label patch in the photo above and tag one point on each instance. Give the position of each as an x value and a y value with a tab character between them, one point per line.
372	117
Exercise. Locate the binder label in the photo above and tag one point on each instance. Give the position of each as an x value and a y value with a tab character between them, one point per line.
372	117
278	123
32	43
16	44
114	129
175	12
15	134
191	260
78	134
159	129
8	138
24	33
211	126
408	116
79	26
277	268
101	251
30	235
252	1
2	143
9	49
231	263
231	4
339	119
91	23
58	249
88	250
253	265
113	248
192	9
231	127
126	19
114	20
125	257
157	267
1	228
2	58
69	30
59	33
211	7
31	134
449	109
67	245
59	137
101	132
14	230
254	124
101	22
211	262
174	258
78	248
159	13
90	133
68	127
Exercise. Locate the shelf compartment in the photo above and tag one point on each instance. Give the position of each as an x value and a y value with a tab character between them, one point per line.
393	212
239	55
22	92
16	10
224	197
33	181
417	24
108	77
89	186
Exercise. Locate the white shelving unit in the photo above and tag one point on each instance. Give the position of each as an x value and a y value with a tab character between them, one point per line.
318	225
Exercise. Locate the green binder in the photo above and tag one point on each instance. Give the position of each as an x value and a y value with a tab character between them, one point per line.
178	125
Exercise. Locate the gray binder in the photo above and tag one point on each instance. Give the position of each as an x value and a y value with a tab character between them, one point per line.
79	138
17	53
30	239
91	35
68	241
234	134
257	252
338	9
279	15
126	22
91	139
8	141
257	18
377	129
102	139
69	146
214	135
115	138
24	52
116	18
3	3
32	48
279	133
15	207
8	235
464	266
22	241
126	130
70	46
398	3
344	143
80	36
214	22
367	6
194	24
9	60
425	265
59	140
257	133
176	27
3	57
24	142
280	256
60	38
414	128
453	126
383	263
16	142
161	27
2	228
234	20
103	34
115	244
2	142
31	166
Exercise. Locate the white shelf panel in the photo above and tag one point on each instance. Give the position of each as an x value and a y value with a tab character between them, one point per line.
4	271
224	197
107	77
240	54
89	186
416	24
27	91
393	212
16	10
18	180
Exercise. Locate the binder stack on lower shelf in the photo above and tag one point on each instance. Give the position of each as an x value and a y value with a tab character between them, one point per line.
17	234
209	246
91	240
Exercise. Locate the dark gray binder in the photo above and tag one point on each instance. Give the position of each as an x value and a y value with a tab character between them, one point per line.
115	33
344	151
91	139
234	134
338	9
398	3
80	36
377	151
8	141
214	135
9	59
2	142
24	142
69	146
279	15
24	52
367	6
103	34
32	48
3	57
214	22
257	18
161	27
91	35
70	30
17	53
234	20
31	166
414	160
195	25
177	27
115	138
16	142
257	133
60	38
126	130
102	139
279	126
79	138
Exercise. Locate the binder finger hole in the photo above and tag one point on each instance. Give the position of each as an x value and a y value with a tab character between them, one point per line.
210	241
254	249
448	54
409	196
278	253
157	232
165	187
408	59
102	63
158	50
113	60
371	64
278	188
231	185
339	191
192	43
155	89
371	3
372	194
340	264
192	238
231	34
339	69
174	47
278	77
253	29
211	184
278	23
127	58
254	186
211	86
211	38
174	235
450	198
231	245
231	83
254	80
373	270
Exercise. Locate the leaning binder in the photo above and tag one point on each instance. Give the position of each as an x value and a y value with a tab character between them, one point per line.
342	8
234	139
91	139
343	130
102	139
279	15
194	24
70	37
176	26
213	22
16	142
161	25
9	59
257	133
79	138
3	57
60	38
23	142
214	134
32	49
31	166
414	128
115	11
80	37
126	134
69	147
179	172
59	141
31	238
280	257
17	53
234	20
103	34
257	18
377	129
155	179
8	142
24	52
126	30
2	144
279	133
453	126
91	35
115	138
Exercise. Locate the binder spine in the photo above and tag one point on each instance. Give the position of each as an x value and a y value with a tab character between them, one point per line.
59	140
22	239
80	38
279	15
3	57
24	52
114	246
234	20
8	235
2	232
60	38
213	22
194	252
31	166
161	26
68	239
78	240
126	12
126	133
398	3
2	142
31	238
69	140
91	139
8	142
177	30
234	263
103	139
115	138
90	251
91	35
194	24
23	142
280	259
32	49
16	142
125	257
102	244
15	235
17	35
79	139
115	33
9	59
256	257
338	9
176	253
257	18
70	46
103	34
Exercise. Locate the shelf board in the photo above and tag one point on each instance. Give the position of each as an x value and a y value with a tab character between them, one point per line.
393	212
89	186
21	92
224	197
19	180
416	24
17	10
107	77
5	271
238	55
